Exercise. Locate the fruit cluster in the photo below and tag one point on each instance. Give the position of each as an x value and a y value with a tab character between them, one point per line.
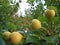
15	37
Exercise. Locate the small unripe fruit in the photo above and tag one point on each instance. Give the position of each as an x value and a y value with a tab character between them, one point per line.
35	24
6	34
50	13
16	37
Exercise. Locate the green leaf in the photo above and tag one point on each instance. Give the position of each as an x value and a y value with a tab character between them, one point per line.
42	18
51	40
11	26
32	39
43	21
56	20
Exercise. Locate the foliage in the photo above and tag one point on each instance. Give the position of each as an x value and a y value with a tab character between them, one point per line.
6	11
47	35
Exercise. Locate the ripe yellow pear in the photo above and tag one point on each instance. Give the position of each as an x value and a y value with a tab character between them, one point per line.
16	37
35	24
6	34
50	13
